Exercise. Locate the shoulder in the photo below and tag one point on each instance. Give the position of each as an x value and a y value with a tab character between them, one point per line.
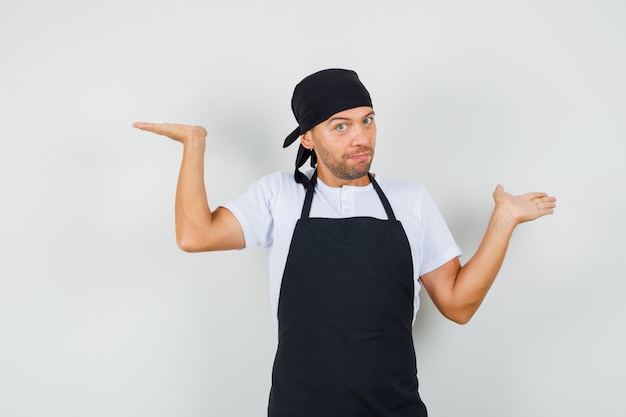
406	190
270	184
274	191
278	182
275	178
411	200
281	178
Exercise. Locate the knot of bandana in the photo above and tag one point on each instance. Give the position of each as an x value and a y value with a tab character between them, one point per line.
315	99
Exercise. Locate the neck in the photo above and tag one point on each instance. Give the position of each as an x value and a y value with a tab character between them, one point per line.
336	182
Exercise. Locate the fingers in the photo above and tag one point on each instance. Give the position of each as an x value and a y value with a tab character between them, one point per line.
534	195
179	132
548	204
149	127
158	128
542	203
142	125
531	196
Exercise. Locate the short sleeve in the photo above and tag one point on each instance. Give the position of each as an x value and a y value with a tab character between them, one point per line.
438	244
253	210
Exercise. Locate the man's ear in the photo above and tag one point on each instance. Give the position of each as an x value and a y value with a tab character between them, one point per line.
306	140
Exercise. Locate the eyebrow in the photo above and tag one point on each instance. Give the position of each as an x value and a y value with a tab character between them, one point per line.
336	119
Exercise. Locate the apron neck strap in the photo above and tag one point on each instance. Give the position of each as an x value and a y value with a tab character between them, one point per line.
383	198
308	199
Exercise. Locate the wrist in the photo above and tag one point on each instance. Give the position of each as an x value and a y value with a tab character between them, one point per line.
194	143
504	218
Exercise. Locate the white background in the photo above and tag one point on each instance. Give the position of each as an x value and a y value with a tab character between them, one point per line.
102	315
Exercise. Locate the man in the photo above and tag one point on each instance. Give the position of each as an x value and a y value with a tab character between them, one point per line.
348	254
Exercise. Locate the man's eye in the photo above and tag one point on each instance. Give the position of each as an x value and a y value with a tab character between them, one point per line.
368	121
342	127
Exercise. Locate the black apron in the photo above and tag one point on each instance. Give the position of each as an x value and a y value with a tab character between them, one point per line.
345	314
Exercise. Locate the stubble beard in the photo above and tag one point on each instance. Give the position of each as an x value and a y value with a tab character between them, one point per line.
341	168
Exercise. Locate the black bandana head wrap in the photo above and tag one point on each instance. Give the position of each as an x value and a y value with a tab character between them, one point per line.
316	98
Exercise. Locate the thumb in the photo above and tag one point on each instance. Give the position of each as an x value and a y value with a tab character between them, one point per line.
498	192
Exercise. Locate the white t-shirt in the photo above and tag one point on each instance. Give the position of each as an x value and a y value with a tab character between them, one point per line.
269	209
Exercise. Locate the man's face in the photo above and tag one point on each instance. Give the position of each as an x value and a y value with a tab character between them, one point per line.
344	146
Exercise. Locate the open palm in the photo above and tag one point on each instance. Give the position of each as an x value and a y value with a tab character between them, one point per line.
525	207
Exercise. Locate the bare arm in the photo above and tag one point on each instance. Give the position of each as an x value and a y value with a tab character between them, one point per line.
197	227
457	290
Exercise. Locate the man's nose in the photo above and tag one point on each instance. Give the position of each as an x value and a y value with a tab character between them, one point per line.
359	135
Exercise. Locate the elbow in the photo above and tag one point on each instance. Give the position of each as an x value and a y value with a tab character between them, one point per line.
188	243
460	319
459	316
461	312
186	246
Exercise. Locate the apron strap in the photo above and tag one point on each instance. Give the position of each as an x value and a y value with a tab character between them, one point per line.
308	199
383	198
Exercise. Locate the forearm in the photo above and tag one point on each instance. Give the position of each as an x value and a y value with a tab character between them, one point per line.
193	215
474	279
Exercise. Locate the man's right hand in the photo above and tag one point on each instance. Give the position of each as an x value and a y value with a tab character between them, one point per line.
178	132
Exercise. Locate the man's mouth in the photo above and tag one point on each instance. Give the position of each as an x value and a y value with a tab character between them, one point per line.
360	155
